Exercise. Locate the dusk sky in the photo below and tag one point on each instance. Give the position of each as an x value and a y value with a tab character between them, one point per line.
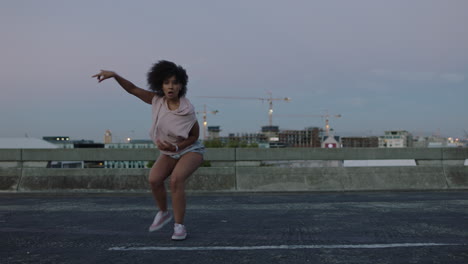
382	65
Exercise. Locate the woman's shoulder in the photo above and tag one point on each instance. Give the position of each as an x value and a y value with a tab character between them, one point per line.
156	99
186	101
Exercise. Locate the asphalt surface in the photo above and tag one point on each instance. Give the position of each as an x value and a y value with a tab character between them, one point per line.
357	227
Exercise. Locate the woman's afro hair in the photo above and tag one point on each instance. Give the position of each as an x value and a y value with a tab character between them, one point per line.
161	71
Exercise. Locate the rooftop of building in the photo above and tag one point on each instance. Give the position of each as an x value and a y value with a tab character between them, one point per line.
25	143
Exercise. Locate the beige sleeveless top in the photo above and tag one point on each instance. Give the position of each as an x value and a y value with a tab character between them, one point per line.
172	126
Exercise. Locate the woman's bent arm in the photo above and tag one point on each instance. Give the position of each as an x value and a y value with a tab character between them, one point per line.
190	140
144	95
192	137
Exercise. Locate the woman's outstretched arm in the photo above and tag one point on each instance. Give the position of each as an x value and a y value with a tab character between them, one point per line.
144	95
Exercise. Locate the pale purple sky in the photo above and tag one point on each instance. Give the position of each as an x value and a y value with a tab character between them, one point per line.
382	65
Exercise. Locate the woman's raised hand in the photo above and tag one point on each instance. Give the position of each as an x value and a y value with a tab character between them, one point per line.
104	75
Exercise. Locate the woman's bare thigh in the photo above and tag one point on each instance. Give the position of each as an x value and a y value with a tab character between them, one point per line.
187	164
162	168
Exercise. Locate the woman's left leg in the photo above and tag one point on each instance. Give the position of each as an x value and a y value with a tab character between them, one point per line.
186	165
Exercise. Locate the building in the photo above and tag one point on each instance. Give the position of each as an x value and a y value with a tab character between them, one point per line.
420	142
61	142
396	139
438	142
270	132
65	142
108	137
132	144
307	138
213	132
270	137
455	143
331	142
429	142
55	140
246	138
83	143
34	143
25	143
360	142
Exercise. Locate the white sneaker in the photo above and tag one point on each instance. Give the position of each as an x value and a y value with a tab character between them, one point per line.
160	220
180	233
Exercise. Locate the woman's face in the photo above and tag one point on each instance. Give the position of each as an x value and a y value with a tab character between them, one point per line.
171	87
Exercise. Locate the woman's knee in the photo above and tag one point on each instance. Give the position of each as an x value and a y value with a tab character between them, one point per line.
156	182
177	184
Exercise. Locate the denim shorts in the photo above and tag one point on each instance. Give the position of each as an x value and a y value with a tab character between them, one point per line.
197	147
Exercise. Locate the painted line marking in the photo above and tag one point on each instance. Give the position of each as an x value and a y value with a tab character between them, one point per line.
284	247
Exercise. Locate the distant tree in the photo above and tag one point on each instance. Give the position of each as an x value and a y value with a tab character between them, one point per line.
213	143
233	144
243	144
240	144
206	163
150	164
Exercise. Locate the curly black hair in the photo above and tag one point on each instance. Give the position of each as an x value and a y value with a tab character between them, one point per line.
161	71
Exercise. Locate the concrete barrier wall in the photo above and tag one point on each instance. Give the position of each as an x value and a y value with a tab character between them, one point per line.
41	179
9	178
250	154
340	179
457	177
247	154
242	170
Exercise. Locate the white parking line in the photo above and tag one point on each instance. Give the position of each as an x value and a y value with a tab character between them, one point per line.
284	247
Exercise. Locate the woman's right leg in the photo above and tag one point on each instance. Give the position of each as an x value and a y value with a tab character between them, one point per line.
161	169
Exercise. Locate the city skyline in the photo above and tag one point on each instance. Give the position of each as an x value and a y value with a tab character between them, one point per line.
112	139
382	65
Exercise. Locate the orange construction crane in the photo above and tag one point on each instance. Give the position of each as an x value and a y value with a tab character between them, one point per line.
269	100
205	123
326	116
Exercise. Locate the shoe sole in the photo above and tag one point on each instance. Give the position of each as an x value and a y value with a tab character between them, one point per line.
179	238
161	225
